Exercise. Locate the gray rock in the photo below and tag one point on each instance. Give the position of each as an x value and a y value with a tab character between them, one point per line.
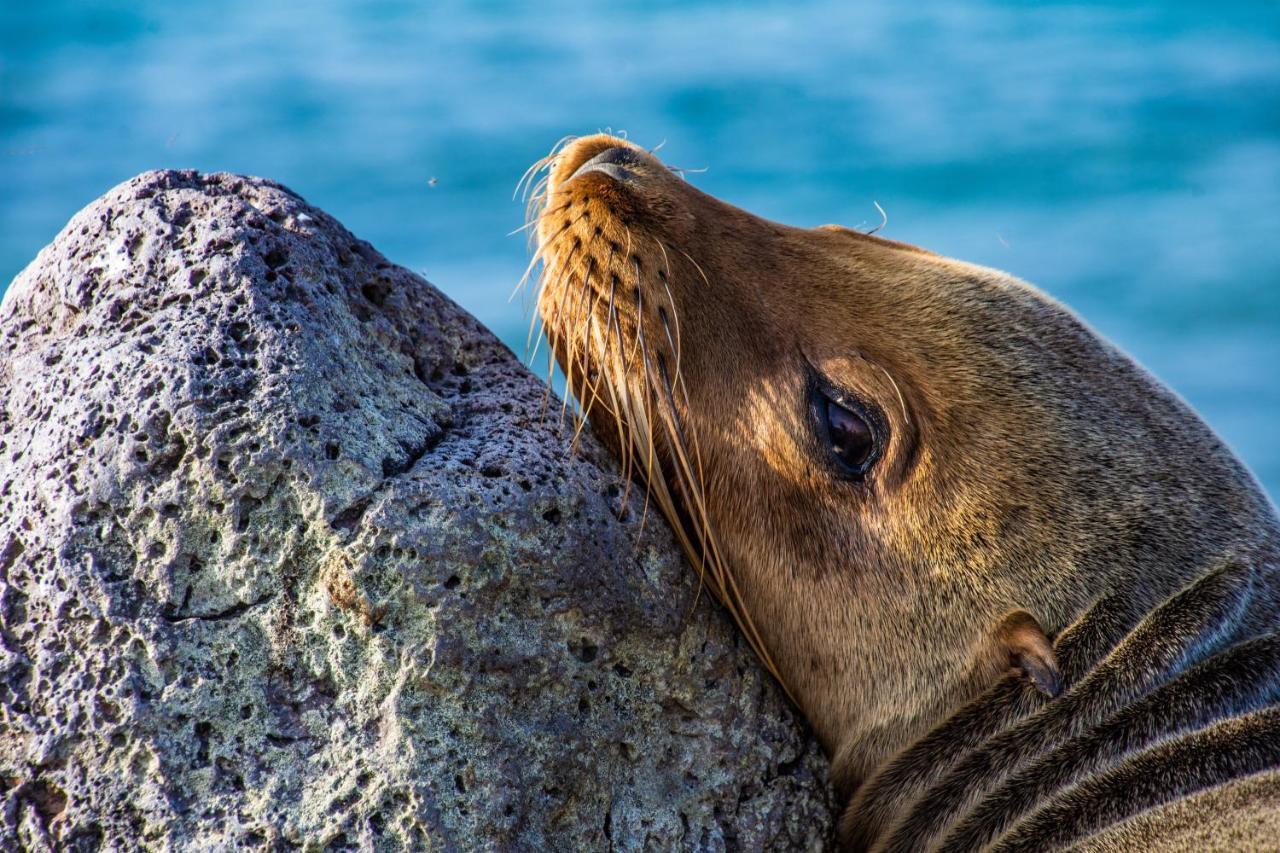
290	556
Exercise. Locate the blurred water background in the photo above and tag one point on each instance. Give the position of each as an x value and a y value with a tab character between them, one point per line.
1125	157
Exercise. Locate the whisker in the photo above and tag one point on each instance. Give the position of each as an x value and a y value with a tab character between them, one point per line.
647	375
675	344
884	218
726	585
564	269
530	172
552	333
539	197
680	384
588	403
634	423
624	441
544	161
540	327
534	221
688	484
685	171
603	349
570	359
590	387
906	419
537	256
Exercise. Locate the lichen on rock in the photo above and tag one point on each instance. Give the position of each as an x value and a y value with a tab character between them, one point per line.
292	555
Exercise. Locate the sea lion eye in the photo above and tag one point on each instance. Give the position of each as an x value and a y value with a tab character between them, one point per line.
849	433
852	441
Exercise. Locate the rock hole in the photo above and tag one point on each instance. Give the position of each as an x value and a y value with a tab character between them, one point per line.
48	799
584	649
376	292
202	731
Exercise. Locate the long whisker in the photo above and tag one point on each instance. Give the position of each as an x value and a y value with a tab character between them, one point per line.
635	344
627	440
663	277
635	422
532	223
590	387
538	197
674	344
726	585
569	360
684	390
884	218
536	167
902	402
603	348
573	312
684	479
647	369
621	422
547	162
539	164
553	333
564	269
637	403
728	591
538	255
533	169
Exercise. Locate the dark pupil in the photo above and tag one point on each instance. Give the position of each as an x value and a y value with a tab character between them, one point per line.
850	436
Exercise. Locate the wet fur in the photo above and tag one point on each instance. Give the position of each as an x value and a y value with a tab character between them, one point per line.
1030	467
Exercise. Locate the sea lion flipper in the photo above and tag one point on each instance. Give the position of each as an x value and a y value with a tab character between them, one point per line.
1021	640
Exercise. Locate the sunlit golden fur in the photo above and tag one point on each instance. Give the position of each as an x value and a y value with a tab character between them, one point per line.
1030	465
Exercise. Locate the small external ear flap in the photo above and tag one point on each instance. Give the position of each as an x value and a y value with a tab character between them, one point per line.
1021	642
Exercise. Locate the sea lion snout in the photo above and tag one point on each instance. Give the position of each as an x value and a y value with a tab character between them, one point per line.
607	157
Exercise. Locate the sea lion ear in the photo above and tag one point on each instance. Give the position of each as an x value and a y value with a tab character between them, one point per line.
1021	641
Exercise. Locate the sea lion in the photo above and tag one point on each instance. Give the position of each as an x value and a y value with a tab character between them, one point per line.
961	528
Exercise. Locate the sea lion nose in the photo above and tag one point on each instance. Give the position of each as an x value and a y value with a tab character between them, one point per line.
618	163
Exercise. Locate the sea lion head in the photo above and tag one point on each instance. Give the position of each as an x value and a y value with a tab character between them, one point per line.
874	452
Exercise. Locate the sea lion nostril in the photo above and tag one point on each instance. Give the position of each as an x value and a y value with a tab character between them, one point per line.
618	163
619	155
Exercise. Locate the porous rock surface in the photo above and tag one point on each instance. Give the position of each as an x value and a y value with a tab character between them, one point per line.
290	557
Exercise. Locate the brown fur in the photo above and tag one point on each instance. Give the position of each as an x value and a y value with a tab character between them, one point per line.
1031	467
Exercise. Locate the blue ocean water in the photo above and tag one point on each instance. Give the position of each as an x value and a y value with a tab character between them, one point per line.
1125	157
